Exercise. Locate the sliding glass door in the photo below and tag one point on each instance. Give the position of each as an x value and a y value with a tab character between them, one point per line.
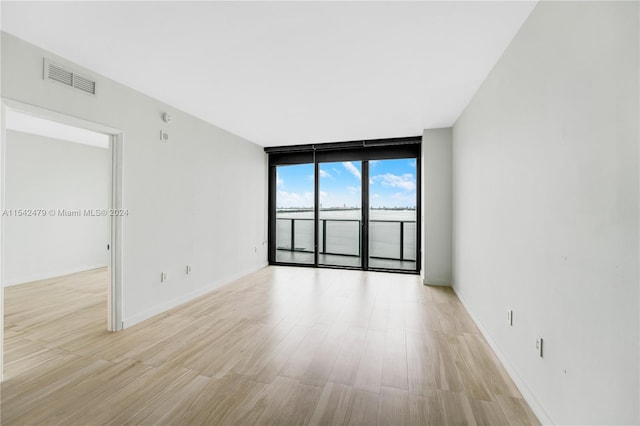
392	214
294	216
340	214
354	208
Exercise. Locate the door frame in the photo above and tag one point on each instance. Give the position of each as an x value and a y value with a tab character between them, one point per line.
364	151
116	139
364	214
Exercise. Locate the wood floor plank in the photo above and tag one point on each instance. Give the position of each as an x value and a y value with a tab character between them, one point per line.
288	402
48	386
281	346
300	359
457	408
347	362
267	367
215	400
362	408
244	405
324	358
369	375
517	411
426	409
488	413
331	408
394	407
138	395
422	363
394	367
168	402
90	392
470	369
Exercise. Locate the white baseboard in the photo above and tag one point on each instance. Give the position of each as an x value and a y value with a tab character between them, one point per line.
526	392
53	274
428	281
158	309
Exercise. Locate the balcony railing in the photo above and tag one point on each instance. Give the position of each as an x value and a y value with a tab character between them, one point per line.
388	239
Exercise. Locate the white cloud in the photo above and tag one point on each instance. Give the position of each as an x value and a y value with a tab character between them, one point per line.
294	199
406	181
279	181
336	170
412	163
353	189
325	174
352	169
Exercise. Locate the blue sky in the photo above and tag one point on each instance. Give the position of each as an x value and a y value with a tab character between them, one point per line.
392	183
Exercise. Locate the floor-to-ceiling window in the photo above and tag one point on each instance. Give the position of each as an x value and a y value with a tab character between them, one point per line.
393	201
294	237
346	205
340	214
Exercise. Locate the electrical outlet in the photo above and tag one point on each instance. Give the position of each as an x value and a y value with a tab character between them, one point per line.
539	346
188	269
510	317
163	277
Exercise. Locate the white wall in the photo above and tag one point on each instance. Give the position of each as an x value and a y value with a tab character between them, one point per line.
45	173
198	199
437	223
546	210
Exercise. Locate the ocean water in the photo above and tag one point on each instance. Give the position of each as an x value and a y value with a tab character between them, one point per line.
343	229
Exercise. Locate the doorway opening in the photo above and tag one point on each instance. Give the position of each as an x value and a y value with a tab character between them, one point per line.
61	221
352	205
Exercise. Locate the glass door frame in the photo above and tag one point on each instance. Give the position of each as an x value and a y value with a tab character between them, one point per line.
322	249
365	151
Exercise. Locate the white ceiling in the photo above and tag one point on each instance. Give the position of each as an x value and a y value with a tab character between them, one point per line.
280	73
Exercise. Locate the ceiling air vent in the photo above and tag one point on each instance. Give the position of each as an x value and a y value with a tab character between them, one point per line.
61	75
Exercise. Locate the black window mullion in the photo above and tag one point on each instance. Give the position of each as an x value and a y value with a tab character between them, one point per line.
418	209
316	210
271	215
364	237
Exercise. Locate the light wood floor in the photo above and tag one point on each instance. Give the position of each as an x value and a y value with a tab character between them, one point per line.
281	346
